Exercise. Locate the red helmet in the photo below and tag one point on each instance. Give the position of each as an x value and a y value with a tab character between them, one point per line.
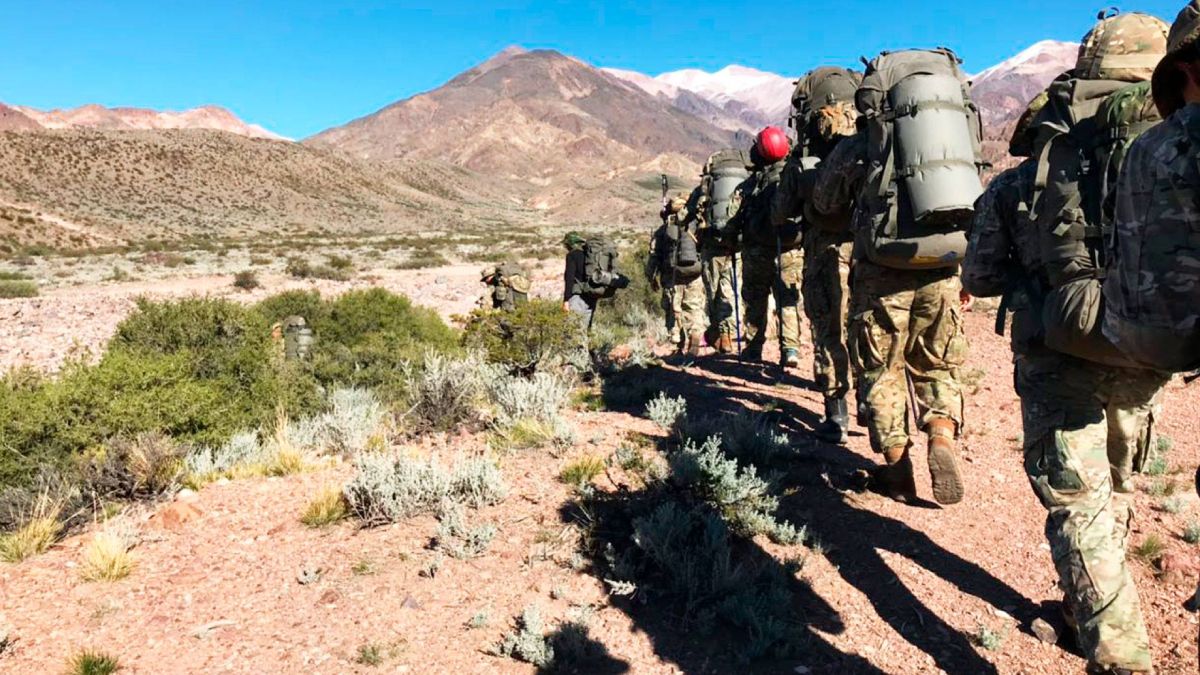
772	144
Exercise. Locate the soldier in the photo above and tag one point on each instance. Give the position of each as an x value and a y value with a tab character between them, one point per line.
823	113
660	278
1087	425
509	285
590	274
678	261
905	325
771	265
719	254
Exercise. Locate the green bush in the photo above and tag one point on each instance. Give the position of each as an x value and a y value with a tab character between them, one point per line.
530	337
196	370
366	338
280	306
16	288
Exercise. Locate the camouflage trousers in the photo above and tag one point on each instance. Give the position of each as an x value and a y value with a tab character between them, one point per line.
761	279
905	328
826	293
668	306
718	286
687	303
1087	429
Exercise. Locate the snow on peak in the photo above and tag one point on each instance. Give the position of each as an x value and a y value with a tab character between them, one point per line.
1046	55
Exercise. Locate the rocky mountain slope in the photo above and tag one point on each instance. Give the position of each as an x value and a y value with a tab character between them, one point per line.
529	114
98	117
735	97
80	188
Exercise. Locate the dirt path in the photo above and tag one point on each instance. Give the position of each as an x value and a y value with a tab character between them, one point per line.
896	589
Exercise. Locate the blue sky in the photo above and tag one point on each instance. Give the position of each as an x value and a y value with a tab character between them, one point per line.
298	67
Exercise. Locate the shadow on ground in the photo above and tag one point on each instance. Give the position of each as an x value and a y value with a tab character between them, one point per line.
851	536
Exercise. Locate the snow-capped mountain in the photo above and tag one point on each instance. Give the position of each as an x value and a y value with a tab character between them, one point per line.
1003	91
742	99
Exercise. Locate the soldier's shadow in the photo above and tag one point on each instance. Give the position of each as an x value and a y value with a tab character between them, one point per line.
852	536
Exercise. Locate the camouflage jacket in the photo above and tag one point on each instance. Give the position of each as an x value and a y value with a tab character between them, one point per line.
1003	241
1153	278
788	201
840	178
752	220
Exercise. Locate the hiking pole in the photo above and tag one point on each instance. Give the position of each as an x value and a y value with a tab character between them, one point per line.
737	303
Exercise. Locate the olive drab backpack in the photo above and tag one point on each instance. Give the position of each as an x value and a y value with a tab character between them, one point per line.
724	171
682	255
923	151
1087	123
599	268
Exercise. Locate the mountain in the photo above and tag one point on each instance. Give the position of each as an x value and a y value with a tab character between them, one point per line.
1003	91
531	115
94	116
80	188
737	97
12	119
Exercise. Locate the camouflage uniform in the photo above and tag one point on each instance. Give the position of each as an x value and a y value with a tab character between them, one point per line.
1087	428
688	301
824	286
1151	287
718	285
658	274
905	325
765	270
509	285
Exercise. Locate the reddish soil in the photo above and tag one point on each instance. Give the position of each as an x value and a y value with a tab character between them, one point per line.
897	589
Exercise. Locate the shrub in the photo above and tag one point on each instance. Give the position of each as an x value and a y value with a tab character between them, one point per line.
743	499
90	662
327	508
987	638
539	397
299	268
1150	549
751	439
33	538
107	557
528	642
534	336
15	288
366	338
582	471
1191	533
353	419
280	306
665	411
246	280
147	466
340	262
370	654
388	489
444	392
457	539
205	465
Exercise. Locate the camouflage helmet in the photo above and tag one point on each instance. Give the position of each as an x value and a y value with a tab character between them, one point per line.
1183	34
825	86
1021	143
573	240
1123	47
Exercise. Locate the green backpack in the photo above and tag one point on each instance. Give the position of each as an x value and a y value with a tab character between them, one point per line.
924	142
1086	129
724	171
599	268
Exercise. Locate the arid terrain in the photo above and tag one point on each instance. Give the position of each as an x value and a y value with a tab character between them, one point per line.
228	580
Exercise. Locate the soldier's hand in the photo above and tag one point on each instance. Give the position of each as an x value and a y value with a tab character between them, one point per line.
966	300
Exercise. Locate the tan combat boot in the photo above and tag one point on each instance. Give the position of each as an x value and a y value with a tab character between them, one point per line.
895	478
695	343
725	344
943	461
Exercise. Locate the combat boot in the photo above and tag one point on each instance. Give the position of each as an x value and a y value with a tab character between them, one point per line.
943	461
752	352
835	428
790	357
695	343
895	478
725	344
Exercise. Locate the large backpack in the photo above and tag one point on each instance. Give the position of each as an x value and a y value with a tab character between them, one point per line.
599	267
924	139
682	256
724	171
1084	130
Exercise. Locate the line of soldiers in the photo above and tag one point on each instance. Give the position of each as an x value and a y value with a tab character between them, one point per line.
876	222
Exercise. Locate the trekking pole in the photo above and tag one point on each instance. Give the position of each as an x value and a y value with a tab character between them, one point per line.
737	303
779	293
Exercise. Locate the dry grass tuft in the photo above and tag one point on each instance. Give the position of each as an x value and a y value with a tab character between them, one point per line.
108	557
327	508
